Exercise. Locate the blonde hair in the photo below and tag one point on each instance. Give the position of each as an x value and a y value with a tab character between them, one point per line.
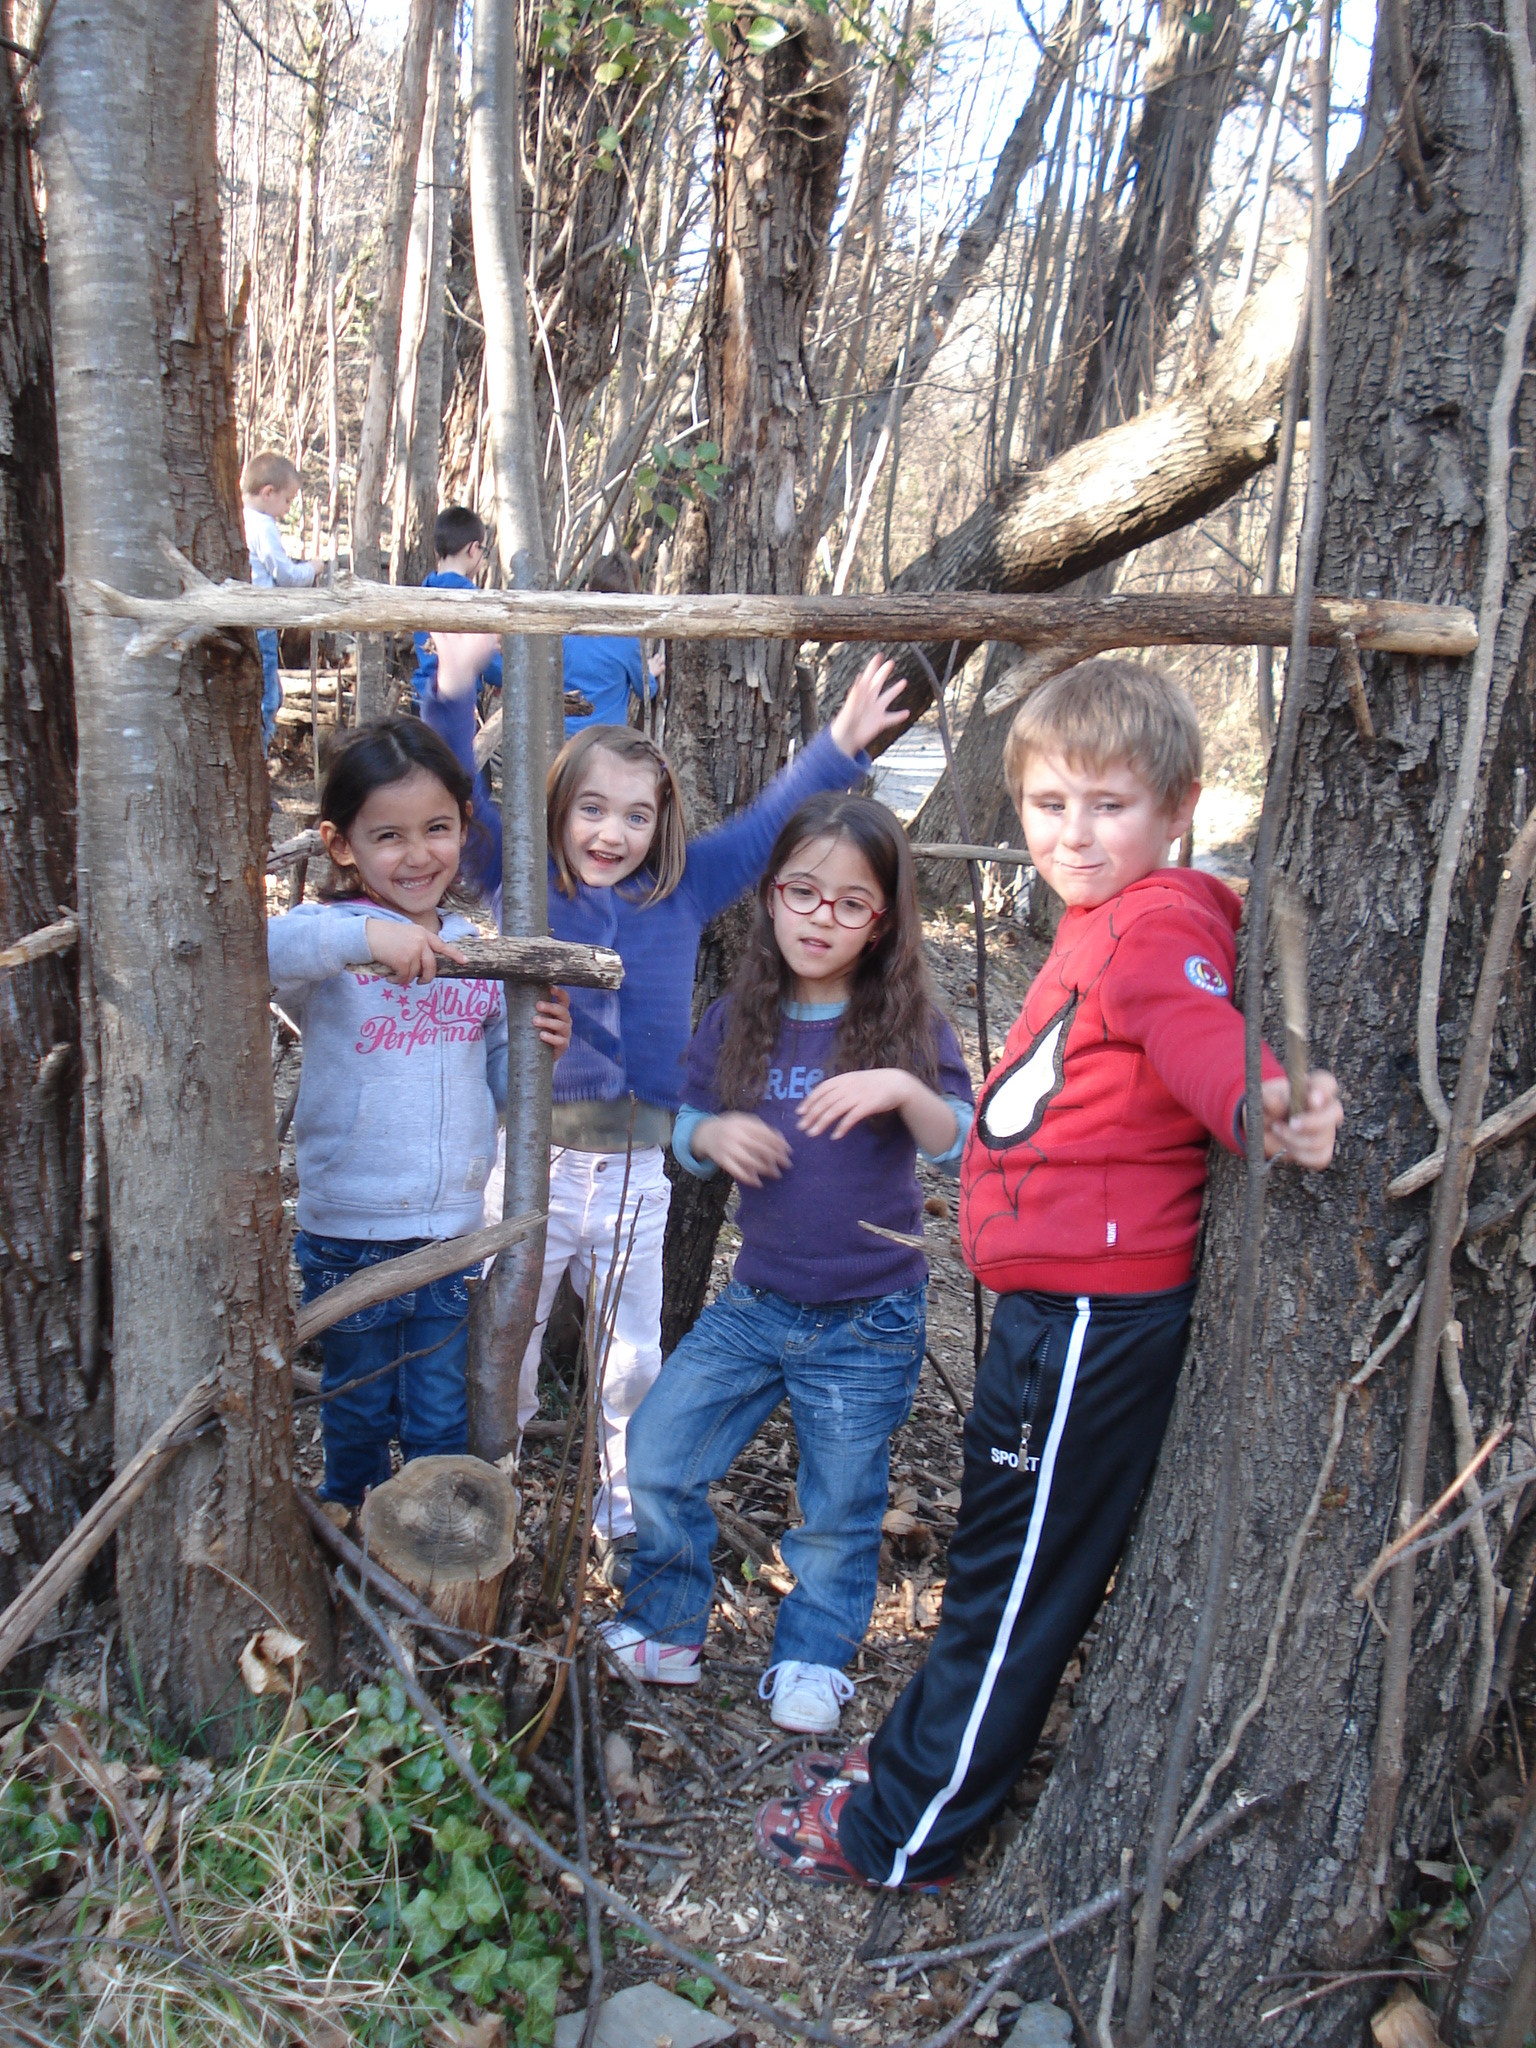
668	853
267	470
1104	713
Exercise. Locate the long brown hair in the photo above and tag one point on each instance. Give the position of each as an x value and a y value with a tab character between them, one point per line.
664	863
891	1019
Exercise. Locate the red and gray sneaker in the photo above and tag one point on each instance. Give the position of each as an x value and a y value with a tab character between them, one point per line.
815	1769
655	1662
800	1836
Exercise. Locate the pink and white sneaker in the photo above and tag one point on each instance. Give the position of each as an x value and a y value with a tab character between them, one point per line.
655	1662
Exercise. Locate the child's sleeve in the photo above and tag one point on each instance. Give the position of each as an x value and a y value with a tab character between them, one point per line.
289	574
453	720
954	1084
496	1052
313	943
634	671
1169	990
725	863
699	1099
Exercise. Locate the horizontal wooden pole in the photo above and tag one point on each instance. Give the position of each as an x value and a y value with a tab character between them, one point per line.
528	962
1493	1130
289	852
1130	620
54	1577
1006	856
412	1269
49	938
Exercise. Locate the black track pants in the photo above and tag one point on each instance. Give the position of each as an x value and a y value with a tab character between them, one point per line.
1071	1403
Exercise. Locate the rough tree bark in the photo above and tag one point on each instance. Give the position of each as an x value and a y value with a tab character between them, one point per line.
419	403
173	815
1418	308
41	1489
782	127
373	434
531	708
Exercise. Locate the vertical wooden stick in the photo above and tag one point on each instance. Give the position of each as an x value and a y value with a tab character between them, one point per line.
1291	943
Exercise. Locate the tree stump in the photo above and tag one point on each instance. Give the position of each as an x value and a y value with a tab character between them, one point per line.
447	1528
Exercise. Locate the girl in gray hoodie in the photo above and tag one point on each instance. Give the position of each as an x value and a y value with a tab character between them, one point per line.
395	1126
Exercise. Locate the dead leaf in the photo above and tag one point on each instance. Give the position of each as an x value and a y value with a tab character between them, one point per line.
325	2034
898	1522
155	1827
619	1762
263	1657
1405	2023
1444	1873
1432	1951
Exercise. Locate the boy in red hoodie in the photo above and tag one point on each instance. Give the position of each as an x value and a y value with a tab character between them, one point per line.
1080	1193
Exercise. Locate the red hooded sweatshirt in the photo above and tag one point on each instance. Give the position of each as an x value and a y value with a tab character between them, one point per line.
1085	1167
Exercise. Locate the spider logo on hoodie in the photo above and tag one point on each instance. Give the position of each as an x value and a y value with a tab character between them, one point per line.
1017	1099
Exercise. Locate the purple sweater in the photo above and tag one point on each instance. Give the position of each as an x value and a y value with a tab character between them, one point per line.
800	1235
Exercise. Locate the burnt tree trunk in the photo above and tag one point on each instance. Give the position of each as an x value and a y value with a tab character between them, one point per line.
1418	309
41	1489
173	821
782	127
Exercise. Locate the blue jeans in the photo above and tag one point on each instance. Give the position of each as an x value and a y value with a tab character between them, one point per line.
850	1370
271	688
423	1401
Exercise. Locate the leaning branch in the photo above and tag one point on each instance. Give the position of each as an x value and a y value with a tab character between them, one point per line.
1127	620
412	1269
50	938
1493	1130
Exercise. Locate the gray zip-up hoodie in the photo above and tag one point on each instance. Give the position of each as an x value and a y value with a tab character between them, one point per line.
395	1127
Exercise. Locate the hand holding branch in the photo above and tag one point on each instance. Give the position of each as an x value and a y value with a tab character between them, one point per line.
1307	1139
406	952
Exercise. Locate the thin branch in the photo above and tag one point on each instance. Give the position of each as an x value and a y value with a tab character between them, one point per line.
1394	1551
1469	741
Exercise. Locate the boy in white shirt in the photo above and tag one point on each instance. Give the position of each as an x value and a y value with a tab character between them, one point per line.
269	484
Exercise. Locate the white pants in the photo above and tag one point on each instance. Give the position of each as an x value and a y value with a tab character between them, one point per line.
579	1240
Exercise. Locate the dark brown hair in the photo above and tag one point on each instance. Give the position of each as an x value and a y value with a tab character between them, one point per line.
387	751
668	855
891	1019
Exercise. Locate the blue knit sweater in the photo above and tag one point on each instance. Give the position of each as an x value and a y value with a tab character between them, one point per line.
424	680
634	1040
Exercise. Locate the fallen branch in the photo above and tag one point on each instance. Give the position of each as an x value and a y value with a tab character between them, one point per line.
54	1577
1129	620
49	938
1493	1130
1394	1551
539	962
303	846
518	1832
412	1269
1022	1943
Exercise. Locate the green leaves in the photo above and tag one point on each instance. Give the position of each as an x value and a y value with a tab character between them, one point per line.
479	1971
700	1989
538	1982
766	34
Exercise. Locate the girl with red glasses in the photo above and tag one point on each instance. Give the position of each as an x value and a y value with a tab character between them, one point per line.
814	1083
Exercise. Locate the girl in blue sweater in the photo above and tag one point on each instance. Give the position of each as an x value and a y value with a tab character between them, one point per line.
624	874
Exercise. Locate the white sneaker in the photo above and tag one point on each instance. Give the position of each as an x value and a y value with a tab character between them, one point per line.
655	1662
807	1698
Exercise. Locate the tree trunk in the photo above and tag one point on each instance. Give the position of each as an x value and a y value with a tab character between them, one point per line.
41	1384
315	42
782	124
373	435
1418	310
419	406
531	708
172	822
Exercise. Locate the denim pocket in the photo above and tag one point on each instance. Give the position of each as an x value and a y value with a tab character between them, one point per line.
895	1322
326	1261
446	1297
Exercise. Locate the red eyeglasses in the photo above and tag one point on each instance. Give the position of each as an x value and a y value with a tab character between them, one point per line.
853	913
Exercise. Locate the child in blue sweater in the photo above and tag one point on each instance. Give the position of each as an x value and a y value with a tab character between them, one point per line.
458	539
395	1128
814	1084
622	873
